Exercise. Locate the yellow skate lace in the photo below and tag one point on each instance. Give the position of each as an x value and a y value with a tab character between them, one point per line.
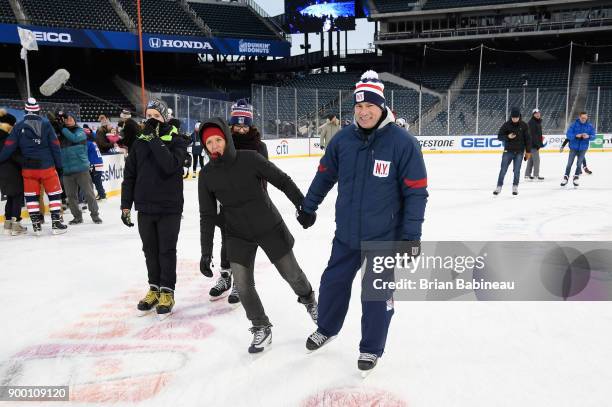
166	299
151	297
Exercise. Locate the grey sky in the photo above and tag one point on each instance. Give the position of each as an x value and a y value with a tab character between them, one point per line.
358	39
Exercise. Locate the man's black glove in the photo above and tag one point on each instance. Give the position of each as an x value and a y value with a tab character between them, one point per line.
306	219
205	263
60	171
322	147
126	218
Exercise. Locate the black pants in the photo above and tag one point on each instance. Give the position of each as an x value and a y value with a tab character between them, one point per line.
197	158
13	206
159	234
287	267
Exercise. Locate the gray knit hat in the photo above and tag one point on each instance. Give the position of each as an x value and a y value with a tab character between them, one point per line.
160	106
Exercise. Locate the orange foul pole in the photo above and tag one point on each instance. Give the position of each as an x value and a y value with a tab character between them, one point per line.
142	82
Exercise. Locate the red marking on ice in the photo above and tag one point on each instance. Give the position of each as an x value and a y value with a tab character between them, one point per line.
94	330
108	366
176	330
125	390
353	396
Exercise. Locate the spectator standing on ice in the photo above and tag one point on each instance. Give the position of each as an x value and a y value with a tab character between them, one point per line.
11	181
73	143
153	183
535	134
329	130
515	137
580	134
382	194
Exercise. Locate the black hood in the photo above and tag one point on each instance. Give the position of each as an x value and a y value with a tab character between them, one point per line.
229	155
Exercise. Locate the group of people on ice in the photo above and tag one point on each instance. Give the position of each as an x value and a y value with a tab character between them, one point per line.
375	203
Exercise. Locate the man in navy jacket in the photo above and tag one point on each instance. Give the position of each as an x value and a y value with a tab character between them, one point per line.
382	194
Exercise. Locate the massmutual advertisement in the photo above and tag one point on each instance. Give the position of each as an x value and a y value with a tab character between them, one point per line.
69	37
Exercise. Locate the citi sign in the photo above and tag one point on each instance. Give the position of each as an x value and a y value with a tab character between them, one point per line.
44	36
480	142
282	148
155	42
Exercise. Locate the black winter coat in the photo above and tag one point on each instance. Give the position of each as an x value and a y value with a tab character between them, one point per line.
153	175
251	218
535	133
518	144
11	181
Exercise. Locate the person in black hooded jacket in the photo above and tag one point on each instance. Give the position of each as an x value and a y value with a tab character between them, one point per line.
245	137
234	179
11	181
153	182
535	134
517	146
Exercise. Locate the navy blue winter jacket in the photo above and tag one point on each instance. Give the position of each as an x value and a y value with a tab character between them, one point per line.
580	144
382	184
39	145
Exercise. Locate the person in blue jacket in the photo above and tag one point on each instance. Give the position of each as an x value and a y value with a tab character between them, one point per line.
73	143
96	164
580	134
382	194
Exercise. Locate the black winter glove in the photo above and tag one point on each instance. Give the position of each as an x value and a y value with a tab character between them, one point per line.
306	219
322	147
205	264
60	171
126	218
151	127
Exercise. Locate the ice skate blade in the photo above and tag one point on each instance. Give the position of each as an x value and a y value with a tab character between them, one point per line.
331	338
59	231
145	313
258	351
163	317
365	373
220	297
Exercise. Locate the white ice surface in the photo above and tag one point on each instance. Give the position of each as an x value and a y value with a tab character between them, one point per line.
70	317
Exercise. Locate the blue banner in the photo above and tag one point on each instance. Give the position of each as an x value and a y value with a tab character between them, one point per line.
127	41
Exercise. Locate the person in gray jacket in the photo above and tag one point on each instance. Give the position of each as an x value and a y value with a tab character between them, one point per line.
329	130
535	132
73	143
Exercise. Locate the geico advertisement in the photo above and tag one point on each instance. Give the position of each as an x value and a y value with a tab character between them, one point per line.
112	175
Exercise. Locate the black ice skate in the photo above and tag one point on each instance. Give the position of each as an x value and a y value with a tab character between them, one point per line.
36	223
497	190
540	178
96	219
366	362
565	180
262	337
575	181
224	283
317	340
234	297
514	189
310	302
586	169
56	224
75	221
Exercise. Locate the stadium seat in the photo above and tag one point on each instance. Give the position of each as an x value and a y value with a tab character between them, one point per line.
163	17
93	14
6	13
232	20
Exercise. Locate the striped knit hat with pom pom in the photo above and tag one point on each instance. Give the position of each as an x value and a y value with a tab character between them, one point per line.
31	106
242	113
370	89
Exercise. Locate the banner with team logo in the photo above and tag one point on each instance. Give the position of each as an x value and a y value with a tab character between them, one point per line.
119	40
